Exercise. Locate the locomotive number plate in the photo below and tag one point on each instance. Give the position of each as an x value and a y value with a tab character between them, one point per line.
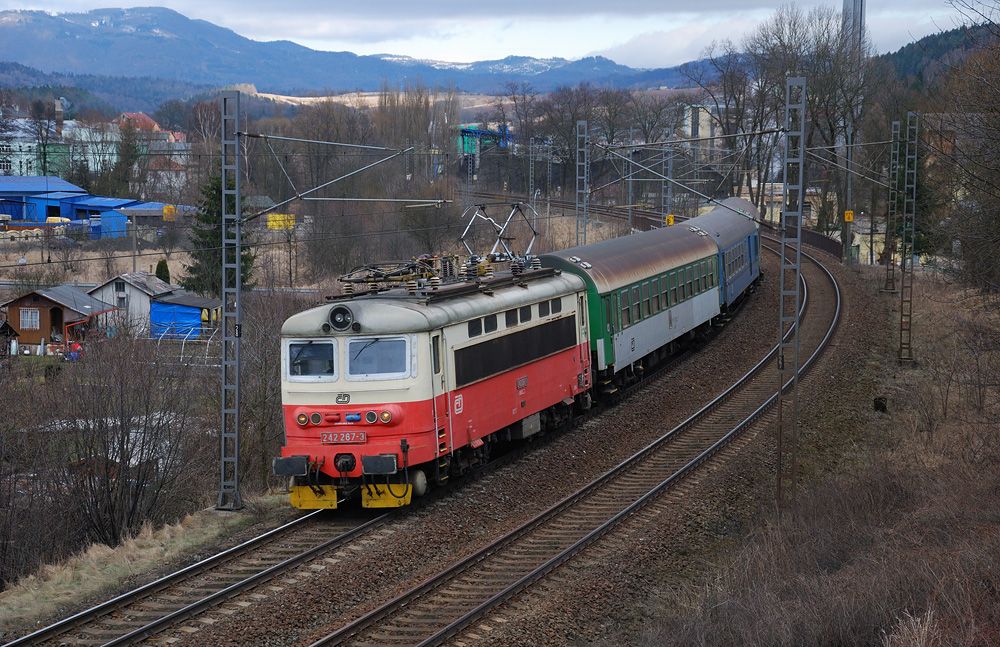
342	437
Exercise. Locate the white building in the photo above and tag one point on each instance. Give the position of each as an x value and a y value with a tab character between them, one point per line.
131	293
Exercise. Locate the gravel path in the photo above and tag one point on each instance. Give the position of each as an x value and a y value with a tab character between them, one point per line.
332	591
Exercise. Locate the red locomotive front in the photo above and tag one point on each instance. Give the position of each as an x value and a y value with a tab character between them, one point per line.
387	394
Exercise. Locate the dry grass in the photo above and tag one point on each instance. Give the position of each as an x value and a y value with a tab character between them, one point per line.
100	571
902	547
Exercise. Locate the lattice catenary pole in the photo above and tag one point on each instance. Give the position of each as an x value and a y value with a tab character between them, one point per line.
907	240
667	188
531	172
582	182
890	219
229	436
789	295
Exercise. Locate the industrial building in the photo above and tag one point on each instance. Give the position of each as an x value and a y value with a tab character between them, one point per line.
46	201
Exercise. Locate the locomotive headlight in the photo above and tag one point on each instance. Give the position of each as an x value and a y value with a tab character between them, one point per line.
371	417
385	417
341	318
316	418
302	419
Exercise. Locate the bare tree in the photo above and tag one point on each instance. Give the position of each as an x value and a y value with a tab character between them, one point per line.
136	449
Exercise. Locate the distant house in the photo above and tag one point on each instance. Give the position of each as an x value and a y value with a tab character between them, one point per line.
131	293
58	314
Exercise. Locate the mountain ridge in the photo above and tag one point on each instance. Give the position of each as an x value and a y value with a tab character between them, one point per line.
162	43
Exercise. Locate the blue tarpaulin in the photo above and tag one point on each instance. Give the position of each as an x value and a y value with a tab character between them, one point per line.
174	321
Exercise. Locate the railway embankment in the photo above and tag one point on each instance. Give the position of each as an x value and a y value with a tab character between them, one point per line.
894	537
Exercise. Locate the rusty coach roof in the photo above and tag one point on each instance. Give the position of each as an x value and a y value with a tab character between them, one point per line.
615	263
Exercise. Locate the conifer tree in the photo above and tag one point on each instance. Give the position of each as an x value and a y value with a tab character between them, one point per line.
163	270
204	274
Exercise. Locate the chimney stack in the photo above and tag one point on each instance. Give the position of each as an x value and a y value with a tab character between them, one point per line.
59	117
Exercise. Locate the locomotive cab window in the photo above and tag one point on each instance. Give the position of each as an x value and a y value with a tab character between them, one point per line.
556	306
490	323
311	360
383	358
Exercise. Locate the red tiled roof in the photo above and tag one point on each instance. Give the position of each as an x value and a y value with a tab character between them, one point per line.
139	120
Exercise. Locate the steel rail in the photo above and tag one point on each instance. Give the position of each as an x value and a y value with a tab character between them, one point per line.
134	595
598	532
373	617
248	583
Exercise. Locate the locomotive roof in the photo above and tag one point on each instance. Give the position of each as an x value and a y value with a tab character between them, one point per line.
618	262
726	227
397	311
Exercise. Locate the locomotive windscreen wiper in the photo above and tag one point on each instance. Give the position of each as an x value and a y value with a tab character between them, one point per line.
365	347
300	351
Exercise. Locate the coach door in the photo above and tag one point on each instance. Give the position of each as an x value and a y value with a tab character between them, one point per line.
584	343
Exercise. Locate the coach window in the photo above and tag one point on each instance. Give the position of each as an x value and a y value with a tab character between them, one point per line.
609	311
623	304
690	278
636	304
654	290
645	300
543	309
490	323
525	314
673	288
556	306
510	318
436	353
475	327
311	361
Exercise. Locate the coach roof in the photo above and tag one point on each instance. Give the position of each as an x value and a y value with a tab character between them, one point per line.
619	262
727	228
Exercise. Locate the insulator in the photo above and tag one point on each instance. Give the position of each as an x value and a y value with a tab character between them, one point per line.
373	287
536	263
489	271
411	286
435	282
516	267
348	288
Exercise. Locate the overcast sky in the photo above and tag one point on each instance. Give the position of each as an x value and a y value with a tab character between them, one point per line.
639	33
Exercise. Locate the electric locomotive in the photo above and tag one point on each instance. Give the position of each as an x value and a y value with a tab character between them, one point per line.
389	392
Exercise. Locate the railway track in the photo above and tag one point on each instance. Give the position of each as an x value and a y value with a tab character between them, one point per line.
183	594
441	607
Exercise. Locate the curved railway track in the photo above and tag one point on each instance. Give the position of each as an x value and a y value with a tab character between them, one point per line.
148	609
444	605
143	612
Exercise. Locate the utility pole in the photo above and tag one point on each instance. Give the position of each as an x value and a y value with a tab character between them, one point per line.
789	293
582	181
230	497
629	171
135	242
890	218
908	240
